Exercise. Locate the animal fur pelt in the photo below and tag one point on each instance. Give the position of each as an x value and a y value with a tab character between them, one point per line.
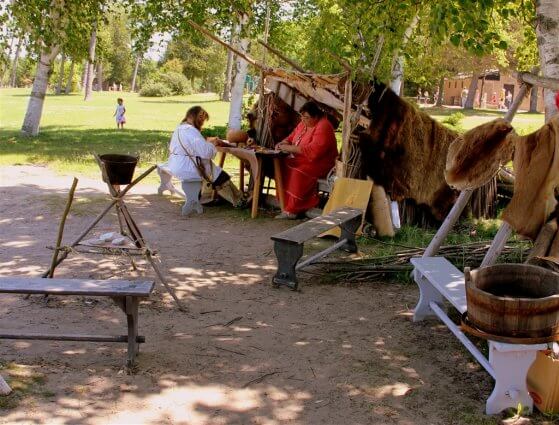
404	150
536	166
475	157
279	120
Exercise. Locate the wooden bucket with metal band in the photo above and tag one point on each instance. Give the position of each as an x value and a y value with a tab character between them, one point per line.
514	300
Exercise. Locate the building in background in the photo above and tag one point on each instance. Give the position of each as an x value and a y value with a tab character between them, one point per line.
492	89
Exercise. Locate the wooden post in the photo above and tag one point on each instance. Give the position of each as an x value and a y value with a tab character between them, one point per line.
452	217
346	129
61	228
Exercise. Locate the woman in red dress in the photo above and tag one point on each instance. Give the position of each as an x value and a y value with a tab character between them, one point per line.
313	150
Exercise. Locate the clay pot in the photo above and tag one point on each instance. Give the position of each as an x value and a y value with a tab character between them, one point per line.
236	136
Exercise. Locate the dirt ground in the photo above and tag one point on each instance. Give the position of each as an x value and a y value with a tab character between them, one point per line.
245	353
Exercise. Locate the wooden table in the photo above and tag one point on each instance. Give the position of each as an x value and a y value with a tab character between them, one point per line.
255	158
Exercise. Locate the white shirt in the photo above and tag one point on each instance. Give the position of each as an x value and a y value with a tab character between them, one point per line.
180	164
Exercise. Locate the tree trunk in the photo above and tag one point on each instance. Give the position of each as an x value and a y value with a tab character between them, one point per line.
135	74
472	92
547	31
534	100
70	78
441	92
32	118
398	61
90	64
226	95
235	109
83	80
13	77
60	74
100	76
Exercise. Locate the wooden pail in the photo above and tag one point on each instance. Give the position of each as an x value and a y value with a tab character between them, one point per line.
514	300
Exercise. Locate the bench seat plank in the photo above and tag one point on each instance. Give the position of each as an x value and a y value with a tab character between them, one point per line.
309	229
37	285
445	277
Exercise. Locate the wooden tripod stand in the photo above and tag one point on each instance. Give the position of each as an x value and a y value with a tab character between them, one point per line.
128	227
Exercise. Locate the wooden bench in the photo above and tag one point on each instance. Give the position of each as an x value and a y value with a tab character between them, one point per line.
288	245
508	364
125	293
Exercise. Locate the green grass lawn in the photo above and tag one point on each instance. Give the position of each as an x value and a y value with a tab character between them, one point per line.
71	129
523	122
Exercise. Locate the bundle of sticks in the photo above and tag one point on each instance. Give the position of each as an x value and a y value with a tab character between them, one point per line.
375	268
546	247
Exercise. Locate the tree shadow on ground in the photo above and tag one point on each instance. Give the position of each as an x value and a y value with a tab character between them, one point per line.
244	353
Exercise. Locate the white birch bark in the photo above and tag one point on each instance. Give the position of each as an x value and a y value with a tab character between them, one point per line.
32	118
90	65
60	74
547	31
226	95
13	77
100	81
135	74
398	61
235	109
70	78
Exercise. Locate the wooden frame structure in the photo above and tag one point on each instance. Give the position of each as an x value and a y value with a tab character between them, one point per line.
127	226
438	280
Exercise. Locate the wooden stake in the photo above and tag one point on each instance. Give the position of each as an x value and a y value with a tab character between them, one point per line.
61	228
544	240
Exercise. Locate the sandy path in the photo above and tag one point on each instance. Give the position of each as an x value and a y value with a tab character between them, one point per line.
326	355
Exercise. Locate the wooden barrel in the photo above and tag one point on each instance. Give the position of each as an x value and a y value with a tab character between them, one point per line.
515	300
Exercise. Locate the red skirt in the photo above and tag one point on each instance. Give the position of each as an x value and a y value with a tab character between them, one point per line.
300	189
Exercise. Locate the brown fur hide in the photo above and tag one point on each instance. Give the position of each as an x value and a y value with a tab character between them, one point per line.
475	157
536	166
405	151
281	120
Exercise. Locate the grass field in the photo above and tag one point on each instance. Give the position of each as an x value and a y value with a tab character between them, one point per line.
71	129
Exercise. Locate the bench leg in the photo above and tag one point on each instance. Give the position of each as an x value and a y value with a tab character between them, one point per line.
132	319
349	229
288	255
427	293
510	369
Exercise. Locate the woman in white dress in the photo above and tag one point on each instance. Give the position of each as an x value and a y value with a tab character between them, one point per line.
190	161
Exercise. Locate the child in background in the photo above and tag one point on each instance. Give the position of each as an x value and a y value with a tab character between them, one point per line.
119	113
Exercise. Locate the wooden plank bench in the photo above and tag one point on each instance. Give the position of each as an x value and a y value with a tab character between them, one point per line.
508	364
288	245
125	293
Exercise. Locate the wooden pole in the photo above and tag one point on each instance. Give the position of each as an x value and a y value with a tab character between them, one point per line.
246	57
284	58
346	129
504	231
61	228
536	80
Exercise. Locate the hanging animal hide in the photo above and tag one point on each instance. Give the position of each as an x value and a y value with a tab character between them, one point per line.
474	158
536	166
279	120
404	150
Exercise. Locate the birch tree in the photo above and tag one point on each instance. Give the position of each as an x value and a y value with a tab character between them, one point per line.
547	30
50	25
240	71
90	67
